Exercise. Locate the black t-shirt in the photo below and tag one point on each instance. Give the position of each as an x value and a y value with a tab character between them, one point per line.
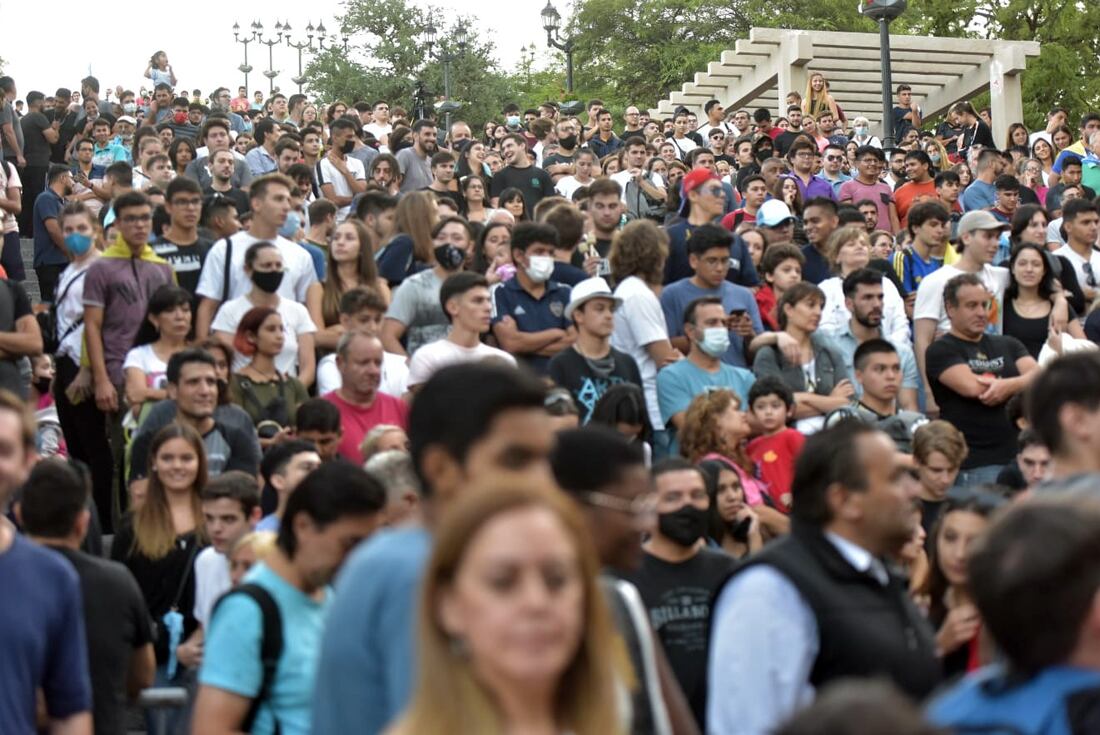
588	380
990	436
532	181
557	158
950	134
117	622
36	149
454	196
749	169
929	514
783	140
678	598
980	134
14	305
1032	332
69	122
186	261
235	195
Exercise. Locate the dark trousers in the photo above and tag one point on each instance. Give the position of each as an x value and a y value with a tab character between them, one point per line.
11	257
34	183
86	431
48	276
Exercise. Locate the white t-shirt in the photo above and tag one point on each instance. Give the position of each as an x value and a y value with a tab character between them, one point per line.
929	303
329	175
395	375
441	353
684	146
1079	265
835	315
297	268
71	308
145	359
295	321
211	582
378	131
622	178
9	178
640	322
568	184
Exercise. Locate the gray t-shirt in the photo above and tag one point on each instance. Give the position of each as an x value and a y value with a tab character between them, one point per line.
416	305
416	172
230	445
7	116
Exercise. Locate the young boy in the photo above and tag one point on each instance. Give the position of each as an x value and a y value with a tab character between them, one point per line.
781	265
775	452
230	509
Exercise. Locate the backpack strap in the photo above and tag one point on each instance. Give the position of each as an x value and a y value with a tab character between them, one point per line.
225	268
271	645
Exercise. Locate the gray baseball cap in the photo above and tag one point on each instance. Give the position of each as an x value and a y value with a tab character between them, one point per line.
980	219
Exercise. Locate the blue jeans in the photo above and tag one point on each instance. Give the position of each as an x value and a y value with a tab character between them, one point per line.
984	475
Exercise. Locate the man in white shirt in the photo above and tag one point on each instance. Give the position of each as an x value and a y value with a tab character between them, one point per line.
634	159
466	302
362	310
340	176
1081	221
270	201
380	126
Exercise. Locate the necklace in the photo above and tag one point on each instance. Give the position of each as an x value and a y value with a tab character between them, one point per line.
265	376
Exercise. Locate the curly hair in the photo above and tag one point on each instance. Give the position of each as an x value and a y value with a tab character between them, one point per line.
701	434
639	249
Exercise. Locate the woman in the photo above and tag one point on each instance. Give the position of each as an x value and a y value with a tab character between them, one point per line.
1043	152
1029	224
623	408
385	172
409	251
1029	172
1017	136
473	194
159	539
882	245
514	635
803	358
786	189
656	166
733	524
251	548
472	161
384	438
975	131
850	149
817	99
965	175
498	135
809	126
487	133
1027	300
951	609
350	264
861	134
755	242
270	397
162	334
611	164
263	264
937	154
181	152
848	250
335	111
309	114
493	254
511	199
1062	139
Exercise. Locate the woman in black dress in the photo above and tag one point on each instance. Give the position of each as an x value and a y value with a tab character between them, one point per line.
1027	301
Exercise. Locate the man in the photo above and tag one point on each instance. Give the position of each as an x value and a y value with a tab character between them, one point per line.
684	144
468	423
219	216
828	127
261	159
715	120
906	113
287	153
283	468
1032	581
1006	201
704	200
52	510
1090	171
972	374
979	233
223	277
866	185
529	309
1063	406
415	161
592	365
377	210
785	138
443	175
380	126
754	191
981	193
520	173
469	309
819	220
704	158
340	176
43	652
280	112
863	297
1081	222
895	176
184	121
709	256
632	122
220	103
1072	176
50	255
948	186
775	221
801	155
88	184
221	170
561	164
362	406
322	223
1056	118
311	147
604	142
180	244
679	575
39	134
928	250
920	186
335	507
877	366
1032	466
833	168
634	160
1090	123
215	136
226	431
819	604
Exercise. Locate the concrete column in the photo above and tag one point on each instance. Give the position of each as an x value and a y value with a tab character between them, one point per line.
1006	100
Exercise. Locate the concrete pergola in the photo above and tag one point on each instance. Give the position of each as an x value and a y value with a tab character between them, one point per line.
762	69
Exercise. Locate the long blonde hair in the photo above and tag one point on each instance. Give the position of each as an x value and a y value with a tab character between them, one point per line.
816	104
154	532
416	216
449	700
333	288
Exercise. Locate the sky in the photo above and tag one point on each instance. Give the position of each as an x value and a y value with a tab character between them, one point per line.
202	52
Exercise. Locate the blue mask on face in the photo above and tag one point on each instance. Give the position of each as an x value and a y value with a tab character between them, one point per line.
715	342
293	222
77	243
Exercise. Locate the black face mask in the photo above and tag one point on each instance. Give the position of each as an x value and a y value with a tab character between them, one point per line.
42	385
763	154
449	257
348	146
568	142
268	281
684	526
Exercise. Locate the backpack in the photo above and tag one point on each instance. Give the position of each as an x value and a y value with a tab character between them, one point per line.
271	645
47	320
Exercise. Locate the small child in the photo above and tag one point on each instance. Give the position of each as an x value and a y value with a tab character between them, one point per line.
781	266
775	452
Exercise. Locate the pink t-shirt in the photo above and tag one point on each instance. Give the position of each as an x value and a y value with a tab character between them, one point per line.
356	421
881	194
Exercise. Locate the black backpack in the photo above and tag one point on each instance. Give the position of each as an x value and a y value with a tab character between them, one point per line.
271	644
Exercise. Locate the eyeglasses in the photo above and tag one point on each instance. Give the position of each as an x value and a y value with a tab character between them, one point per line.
195	202
834	158
643	505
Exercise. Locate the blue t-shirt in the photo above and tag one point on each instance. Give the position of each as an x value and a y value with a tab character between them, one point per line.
368	655
979	195
816	269
318	256
47	205
42	643
681	381
677	266
531	314
567	273
396	260
676	297
913	268
231	652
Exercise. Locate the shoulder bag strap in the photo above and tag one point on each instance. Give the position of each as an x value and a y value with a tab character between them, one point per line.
225	269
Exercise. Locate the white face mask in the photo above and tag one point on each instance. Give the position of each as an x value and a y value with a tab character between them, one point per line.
540	268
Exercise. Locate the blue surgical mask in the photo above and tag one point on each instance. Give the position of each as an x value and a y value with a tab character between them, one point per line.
293	222
934	157
78	243
861	131
513	121
715	342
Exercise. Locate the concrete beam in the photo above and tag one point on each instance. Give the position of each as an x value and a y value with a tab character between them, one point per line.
962	88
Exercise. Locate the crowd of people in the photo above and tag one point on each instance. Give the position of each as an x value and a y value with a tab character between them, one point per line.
345	421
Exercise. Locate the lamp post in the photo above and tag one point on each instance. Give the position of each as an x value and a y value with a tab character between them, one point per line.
299	46
244	68
551	22
526	58
884	11
446	54
270	43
